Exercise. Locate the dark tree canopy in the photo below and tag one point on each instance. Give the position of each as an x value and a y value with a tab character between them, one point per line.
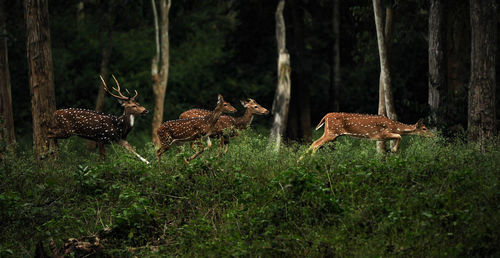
229	47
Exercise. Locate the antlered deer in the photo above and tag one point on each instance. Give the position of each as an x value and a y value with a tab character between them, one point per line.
100	127
228	122
191	129
366	126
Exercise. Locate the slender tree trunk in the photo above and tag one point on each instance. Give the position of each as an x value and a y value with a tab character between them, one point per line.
41	75
106	51
437	60
160	79
482	116
384	60
458	42
282	96
299	116
80	13
335	70
382	97
6	115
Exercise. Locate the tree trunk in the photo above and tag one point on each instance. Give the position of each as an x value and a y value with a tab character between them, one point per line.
299	116
106	51
481	118
80	13
160	79
335	70
41	75
384	61
458	42
437	61
7	136
382	104
282	96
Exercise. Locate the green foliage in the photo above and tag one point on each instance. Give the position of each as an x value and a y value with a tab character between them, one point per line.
435	197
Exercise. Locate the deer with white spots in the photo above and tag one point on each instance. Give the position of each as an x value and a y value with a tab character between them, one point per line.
192	129
366	126
228	122
100	127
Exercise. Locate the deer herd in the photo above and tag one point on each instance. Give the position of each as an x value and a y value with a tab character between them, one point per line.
195	125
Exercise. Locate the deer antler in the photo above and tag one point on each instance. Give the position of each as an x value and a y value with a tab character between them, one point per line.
117	84
117	90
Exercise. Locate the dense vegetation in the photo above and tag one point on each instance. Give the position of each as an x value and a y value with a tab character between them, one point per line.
436	197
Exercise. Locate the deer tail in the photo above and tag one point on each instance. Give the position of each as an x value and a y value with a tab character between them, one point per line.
321	123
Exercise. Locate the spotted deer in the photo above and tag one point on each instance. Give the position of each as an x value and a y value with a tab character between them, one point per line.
192	129
100	127
366	126
228	122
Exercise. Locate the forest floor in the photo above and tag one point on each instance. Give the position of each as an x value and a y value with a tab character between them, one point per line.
436	197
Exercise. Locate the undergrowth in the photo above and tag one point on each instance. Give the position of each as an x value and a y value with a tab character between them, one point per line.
436	197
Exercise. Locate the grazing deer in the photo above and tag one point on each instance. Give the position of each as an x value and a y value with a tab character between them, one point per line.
191	129
366	126
228	122
100	127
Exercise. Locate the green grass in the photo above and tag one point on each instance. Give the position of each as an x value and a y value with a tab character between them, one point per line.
435	197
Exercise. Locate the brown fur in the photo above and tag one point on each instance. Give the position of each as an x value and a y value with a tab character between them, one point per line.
366	126
191	129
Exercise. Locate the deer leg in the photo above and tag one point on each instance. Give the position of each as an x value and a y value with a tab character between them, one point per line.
396	137
129	147
221	146
209	145
165	146
102	150
197	142
324	139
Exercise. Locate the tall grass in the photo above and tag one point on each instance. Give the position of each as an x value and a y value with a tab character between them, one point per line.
435	197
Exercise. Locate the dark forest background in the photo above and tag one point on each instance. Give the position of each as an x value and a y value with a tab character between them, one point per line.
229	47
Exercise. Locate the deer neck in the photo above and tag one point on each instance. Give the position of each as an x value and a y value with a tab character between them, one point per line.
128	119
245	120
213	117
405	129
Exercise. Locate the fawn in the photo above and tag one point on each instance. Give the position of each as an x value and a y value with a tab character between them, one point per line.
100	127
366	126
191	129
228	122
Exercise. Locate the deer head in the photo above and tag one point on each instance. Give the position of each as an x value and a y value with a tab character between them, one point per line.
421	129
223	106
130	105
254	107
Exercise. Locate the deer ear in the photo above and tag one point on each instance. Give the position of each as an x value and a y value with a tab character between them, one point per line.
243	103
420	122
122	102
220	99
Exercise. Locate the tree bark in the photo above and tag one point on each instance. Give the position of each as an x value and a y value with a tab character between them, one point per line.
282	96
382	104
7	136
437	61
160	78
481	113
458	42
335	70
80	13
107	49
299	116
384	61
41	75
